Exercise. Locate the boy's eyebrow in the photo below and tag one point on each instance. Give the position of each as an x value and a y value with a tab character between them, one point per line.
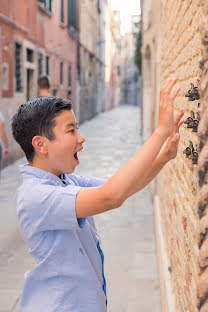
71	125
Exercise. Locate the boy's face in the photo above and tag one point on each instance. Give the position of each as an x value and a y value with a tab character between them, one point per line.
62	151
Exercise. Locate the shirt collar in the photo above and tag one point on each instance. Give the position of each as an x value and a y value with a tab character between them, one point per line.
29	172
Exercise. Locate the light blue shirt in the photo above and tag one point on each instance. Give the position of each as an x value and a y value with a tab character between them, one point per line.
68	275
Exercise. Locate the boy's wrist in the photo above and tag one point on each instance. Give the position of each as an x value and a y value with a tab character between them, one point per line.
165	156
162	133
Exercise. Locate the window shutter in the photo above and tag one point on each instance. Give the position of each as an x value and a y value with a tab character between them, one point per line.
62	11
18	67
72	14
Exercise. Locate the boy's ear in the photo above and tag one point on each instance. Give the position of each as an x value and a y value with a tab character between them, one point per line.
39	144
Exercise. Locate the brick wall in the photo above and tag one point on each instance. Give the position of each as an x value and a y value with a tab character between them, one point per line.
177	185
203	168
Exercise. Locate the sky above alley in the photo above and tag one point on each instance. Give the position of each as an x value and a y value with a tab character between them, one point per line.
127	9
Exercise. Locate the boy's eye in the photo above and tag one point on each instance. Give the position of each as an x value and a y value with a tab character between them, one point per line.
72	130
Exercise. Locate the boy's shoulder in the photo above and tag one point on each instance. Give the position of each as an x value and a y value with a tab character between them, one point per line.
34	190
37	188
30	190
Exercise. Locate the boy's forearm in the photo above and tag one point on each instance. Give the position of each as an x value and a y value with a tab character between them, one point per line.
156	167
134	174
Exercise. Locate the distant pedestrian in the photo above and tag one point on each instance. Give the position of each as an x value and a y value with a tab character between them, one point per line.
4	145
44	86
55	207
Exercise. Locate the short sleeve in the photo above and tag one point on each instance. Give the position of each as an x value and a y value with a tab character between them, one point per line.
85	181
48	207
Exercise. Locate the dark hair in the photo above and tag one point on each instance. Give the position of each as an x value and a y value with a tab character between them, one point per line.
37	117
43	82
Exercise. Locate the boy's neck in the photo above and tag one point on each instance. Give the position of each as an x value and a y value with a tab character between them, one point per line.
44	92
45	167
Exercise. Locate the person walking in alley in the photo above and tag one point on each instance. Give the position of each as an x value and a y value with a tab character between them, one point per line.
55	207
4	145
44	86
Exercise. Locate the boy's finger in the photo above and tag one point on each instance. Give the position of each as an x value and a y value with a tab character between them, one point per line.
176	137
166	83
178	117
180	124
171	84
174	93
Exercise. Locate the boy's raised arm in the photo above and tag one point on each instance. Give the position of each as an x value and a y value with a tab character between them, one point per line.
126	181
168	152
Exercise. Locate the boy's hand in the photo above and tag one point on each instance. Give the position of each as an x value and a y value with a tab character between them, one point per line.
170	150
166	111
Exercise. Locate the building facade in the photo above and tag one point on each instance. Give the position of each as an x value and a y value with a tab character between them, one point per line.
92	59
112	58
171	47
37	37
130	78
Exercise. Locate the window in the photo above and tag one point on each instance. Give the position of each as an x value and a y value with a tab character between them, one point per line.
47	65
72	14
69	82
118	70
5	77
54	91
47	4
18	77
62	11
69	76
98	6
30	55
40	64
61	73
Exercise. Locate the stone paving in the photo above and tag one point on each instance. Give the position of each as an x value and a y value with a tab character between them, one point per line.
127	233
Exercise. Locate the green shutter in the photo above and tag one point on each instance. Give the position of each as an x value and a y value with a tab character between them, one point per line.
72	14
47	66
40	64
18	67
61	73
62	11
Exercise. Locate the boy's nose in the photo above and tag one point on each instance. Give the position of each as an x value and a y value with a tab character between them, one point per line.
81	139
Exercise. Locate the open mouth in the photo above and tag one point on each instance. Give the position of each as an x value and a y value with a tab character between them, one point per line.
76	157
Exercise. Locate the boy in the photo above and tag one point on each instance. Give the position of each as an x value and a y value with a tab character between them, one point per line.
43	86
55	207
3	141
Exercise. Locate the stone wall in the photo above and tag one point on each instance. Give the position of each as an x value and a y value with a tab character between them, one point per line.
177	185
202	168
172	48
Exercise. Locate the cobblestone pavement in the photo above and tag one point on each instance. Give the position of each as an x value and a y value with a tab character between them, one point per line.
127	233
